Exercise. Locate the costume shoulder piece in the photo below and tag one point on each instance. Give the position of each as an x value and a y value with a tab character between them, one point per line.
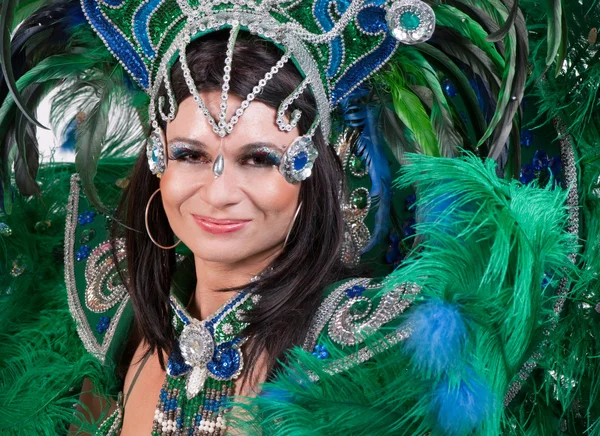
43	361
352	311
98	299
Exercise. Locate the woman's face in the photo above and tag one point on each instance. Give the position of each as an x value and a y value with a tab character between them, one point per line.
243	215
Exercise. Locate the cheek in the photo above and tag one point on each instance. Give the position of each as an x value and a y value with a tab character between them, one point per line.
174	190
276	199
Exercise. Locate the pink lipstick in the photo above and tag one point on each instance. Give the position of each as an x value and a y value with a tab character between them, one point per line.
219	226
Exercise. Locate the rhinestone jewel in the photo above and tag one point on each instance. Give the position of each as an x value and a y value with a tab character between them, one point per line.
411	21
197	349
218	166
297	162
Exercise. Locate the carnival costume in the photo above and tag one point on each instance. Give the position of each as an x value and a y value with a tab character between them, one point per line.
477	208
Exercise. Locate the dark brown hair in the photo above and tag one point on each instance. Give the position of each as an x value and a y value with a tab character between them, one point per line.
292	288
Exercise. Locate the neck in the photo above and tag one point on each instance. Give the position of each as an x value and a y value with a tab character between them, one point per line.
213	276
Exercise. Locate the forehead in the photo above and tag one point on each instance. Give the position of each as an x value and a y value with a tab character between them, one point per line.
257	124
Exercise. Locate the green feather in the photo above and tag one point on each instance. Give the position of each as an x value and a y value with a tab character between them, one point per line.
411	112
555	27
486	252
460	81
441	114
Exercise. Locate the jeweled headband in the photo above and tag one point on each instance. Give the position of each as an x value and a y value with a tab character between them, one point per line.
335	44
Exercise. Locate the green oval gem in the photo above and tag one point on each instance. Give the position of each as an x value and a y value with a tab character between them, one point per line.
360	199
356	164
410	21
87	235
359	307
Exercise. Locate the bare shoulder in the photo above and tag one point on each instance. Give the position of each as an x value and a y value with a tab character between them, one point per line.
142	386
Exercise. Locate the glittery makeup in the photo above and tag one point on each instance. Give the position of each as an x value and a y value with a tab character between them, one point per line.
261	157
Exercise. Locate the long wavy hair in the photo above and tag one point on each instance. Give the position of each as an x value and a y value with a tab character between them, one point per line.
292	287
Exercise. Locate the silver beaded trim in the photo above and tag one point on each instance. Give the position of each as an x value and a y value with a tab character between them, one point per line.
259	24
356	233
283	107
342	327
365	353
326	310
100	270
335	313
570	169
75	308
115	428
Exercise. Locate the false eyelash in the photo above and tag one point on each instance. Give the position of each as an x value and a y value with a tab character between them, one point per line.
183	152
268	156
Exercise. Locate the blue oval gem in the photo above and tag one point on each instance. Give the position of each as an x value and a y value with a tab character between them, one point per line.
300	161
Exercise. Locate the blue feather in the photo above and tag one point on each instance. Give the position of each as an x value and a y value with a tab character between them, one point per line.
459	409
277	394
443	211
74	16
438	337
69	136
371	148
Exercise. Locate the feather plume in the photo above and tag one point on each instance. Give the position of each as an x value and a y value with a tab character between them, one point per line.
438	337
462	406
411	112
90	139
494	223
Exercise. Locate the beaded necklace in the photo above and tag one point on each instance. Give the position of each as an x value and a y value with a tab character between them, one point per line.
200	371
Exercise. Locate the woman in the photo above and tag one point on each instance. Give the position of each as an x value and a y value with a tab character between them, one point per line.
223	295
245	223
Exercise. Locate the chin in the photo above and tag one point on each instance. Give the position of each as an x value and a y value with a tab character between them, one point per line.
230	252
223	252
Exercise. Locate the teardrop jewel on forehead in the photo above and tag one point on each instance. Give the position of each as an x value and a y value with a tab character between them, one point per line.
218	166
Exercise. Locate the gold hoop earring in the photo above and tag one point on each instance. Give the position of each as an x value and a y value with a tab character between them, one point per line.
148	228
292	224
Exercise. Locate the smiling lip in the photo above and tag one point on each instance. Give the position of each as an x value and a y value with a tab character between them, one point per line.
217	226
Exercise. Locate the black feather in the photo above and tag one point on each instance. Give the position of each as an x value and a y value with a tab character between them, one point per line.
503	129
501	33
27	157
442	61
456	45
6	20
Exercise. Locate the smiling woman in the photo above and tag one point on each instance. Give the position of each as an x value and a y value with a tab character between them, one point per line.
214	286
246	220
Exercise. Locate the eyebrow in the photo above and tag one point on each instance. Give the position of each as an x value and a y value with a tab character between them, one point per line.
198	144
254	145
246	148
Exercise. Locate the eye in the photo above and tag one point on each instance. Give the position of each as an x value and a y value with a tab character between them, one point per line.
262	157
184	153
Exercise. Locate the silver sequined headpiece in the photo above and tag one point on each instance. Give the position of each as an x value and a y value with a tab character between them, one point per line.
317	35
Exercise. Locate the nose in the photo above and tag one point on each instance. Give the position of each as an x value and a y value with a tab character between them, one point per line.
222	191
